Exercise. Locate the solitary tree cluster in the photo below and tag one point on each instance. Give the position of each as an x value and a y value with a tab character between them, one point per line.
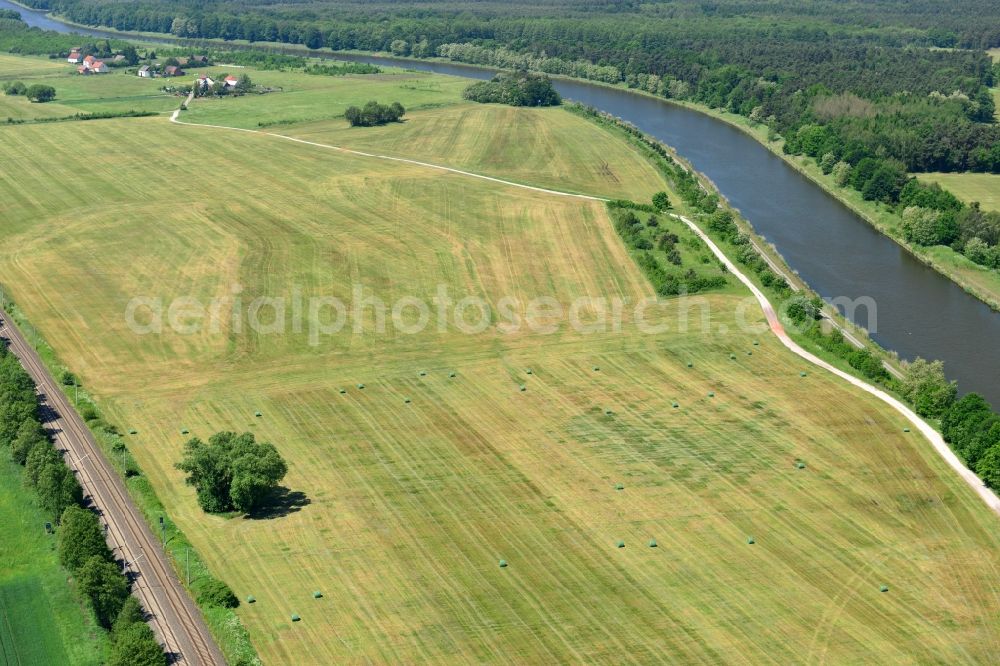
374	113
40	93
14	88
232	472
516	89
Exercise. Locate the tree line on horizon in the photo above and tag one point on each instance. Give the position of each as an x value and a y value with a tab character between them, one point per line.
780	64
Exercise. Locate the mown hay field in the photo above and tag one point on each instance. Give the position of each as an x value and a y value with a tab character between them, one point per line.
969	187
400	512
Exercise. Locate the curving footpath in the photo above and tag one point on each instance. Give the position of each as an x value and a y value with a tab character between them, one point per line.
174	618
932	435
935	438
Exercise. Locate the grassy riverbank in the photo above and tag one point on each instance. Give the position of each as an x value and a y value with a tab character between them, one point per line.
977	280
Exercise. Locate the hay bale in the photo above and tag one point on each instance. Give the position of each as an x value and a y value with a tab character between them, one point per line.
749	352
528	371
619	486
423	373
906	430
711	394
317	595
361	386
185	431
343	391
756	343
883	588
676	405
620	544
133	431
608	412
652	543
597	369
802	374
452	374
751	540
503	564
690	364
732	357
800	465
406	400
523	387
258	414
295	617
251	599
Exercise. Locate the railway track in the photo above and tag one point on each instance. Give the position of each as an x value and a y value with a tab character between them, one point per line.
175	619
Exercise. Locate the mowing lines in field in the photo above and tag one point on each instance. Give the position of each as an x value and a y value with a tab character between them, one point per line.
403	160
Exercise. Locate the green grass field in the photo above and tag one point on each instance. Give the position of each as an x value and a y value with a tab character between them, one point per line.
399	512
311	97
41	622
981	187
536	146
114	91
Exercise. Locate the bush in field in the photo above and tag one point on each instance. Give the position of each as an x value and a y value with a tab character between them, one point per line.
231	471
661	201
516	89
40	93
374	113
14	88
216	593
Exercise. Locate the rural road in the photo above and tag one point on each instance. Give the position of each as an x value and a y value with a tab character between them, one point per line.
175	618
933	436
